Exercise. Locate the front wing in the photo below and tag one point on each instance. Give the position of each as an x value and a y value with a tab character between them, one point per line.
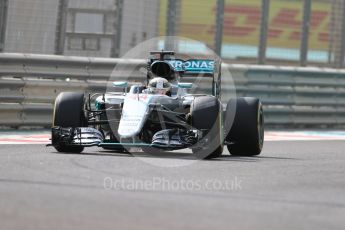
173	139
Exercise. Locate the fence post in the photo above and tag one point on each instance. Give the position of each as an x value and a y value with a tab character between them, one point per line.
171	24
3	22
332	33
341	60
265	11
219	27
305	32
118	28
61	27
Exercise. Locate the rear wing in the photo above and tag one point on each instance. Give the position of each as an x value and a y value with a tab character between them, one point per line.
200	68
195	67
192	68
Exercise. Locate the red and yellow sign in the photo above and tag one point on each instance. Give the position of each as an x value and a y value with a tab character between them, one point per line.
242	22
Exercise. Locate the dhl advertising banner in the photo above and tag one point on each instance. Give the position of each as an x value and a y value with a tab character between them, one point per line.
242	22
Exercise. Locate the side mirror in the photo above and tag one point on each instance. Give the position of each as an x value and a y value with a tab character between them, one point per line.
120	84
185	85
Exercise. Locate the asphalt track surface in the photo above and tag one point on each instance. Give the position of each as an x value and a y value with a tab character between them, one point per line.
292	185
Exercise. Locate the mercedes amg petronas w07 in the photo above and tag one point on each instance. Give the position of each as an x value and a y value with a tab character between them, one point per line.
161	114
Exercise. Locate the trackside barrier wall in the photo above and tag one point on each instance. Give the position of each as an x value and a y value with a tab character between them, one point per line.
292	96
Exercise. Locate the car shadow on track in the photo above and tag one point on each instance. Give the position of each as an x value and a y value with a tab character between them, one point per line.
178	155
250	158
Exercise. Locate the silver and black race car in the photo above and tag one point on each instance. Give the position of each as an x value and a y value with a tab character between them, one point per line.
160	114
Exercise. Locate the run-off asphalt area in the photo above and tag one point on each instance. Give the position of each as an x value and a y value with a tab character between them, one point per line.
292	185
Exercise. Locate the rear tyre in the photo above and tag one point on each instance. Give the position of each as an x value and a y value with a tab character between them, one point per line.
206	114
69	112
244	122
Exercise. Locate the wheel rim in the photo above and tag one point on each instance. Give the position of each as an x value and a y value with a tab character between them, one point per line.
261	131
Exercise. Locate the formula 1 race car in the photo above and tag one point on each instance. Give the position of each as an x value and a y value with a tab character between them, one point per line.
160	115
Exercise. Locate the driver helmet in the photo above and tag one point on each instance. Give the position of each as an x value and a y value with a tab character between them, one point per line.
159	85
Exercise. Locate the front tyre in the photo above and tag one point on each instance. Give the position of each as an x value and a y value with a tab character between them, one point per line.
244	122
69	112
